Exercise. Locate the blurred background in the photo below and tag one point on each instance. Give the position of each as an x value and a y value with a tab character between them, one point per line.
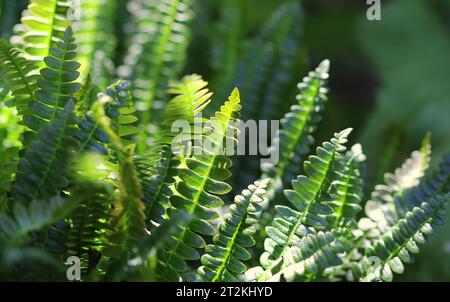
390	79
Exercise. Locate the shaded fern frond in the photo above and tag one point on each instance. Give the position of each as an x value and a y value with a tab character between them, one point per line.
89	226
19	74
44	166
156	55
119	109
223	259
96	40
56	83
226	48
36	217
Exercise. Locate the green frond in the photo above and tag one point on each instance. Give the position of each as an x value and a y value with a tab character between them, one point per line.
192	96
42	26
223	259
280	40
309	196
196	193
44	166
349	190
19	76
293	141
156	55
96	40
307	258
159	167
311	192
382	206
56	84
396	247
37	216
120	110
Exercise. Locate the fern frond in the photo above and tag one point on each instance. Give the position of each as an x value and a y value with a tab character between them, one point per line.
120	110
38	216
44	166
223	259
282	32
308	258
396	247
20	75
311	193
382	207
294	139
309	196
96	40
349	190
56	83
42	25
201	181
158	168
156	54
89	221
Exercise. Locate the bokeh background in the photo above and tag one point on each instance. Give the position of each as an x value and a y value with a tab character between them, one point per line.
390	79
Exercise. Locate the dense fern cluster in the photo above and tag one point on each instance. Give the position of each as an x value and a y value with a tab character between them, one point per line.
91	165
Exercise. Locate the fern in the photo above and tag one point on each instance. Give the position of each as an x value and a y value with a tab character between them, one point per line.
294	140
227	47
56	84
310	198
397	246
43	168
96	40
19	75
313	254
42	25
382	207
348	189
222	261
158	168
156	55
18	227
89	221
121	112
196	193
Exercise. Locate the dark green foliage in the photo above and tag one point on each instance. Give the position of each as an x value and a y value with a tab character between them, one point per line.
19	76
56	84
45	164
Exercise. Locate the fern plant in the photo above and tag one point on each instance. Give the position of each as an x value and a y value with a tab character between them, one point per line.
135	179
